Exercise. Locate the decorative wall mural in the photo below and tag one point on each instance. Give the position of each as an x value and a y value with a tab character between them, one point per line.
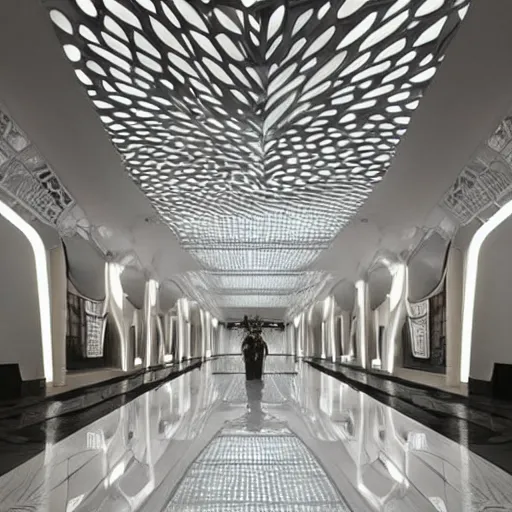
418	322
26	176
257	129
424	332
486	179
85	333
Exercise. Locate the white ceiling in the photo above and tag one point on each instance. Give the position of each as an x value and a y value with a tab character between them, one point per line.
468	96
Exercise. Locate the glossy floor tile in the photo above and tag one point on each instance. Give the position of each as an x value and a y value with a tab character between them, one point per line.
297	443
483	424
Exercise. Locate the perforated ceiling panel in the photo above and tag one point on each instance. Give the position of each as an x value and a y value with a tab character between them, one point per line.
257	129
258	473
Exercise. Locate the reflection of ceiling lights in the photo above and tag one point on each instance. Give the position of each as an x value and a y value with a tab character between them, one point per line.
257	128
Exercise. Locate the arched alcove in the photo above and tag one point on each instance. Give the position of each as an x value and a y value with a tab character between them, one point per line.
491	349
424	335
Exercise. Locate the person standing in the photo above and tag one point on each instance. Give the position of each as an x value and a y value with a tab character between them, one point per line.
260	353
249	355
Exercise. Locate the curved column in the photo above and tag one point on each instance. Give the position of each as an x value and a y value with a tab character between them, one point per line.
114	306
470	278
397	311
43	285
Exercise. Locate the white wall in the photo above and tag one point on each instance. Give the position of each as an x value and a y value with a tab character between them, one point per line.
492	325
20	326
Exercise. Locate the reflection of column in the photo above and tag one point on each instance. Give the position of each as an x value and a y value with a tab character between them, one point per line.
58	287
454	285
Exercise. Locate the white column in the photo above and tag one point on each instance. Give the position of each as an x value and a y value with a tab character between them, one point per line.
183	329
362	323
345	319
208	335
59	292
150	324
454	286
309	333
114	303
393	336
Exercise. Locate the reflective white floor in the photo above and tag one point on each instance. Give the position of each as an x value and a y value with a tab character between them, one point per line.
303	443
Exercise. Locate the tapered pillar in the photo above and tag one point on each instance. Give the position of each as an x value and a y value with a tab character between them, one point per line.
362	311
58	287
454	291
150	323
114	303
392	346
345	318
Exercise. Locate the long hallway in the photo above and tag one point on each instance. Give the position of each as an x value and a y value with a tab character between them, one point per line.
298	442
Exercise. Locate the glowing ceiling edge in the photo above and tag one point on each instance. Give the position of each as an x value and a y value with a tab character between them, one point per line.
43	284
470	277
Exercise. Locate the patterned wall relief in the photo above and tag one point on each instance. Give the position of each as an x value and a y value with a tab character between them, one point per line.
85	333
424	333
486	179
25	175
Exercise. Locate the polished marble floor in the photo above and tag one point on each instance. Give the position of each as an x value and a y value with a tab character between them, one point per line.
298	443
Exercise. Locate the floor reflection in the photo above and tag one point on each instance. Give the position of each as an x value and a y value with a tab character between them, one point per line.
202	425
255	416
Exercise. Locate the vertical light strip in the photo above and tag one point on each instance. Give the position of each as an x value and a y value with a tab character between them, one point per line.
361	305
470	277
397	296
115	299
43	285
152	291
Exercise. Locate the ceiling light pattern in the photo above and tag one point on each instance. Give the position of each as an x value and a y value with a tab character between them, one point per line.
254	301
256	127
279	283
256	260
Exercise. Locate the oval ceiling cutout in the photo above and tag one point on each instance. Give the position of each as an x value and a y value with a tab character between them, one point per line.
223	114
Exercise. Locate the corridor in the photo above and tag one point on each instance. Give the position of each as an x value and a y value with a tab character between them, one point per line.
319	191
298	442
